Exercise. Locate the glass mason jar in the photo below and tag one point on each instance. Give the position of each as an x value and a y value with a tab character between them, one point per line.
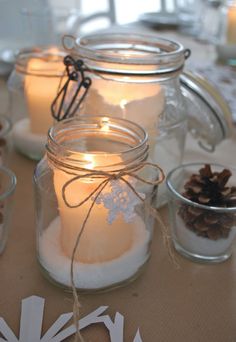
139	77
226	35
33	85
115	237
136	77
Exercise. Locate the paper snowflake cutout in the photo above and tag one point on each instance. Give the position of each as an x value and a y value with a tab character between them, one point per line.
119	200
32	318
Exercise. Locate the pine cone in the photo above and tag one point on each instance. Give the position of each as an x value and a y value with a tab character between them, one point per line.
209	188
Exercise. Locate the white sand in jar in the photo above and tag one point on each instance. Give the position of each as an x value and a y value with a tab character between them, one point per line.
28	143
200	245
97	275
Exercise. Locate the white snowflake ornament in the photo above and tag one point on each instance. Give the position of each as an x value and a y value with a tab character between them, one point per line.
120	199
32	318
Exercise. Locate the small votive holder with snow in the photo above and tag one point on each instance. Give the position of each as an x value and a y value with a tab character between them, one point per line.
7	188
202	211
93	195
33	85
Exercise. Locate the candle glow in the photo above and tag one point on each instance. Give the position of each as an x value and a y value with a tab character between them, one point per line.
100	241
41	86
138	102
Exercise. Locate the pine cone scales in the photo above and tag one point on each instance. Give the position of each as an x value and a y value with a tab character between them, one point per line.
209	188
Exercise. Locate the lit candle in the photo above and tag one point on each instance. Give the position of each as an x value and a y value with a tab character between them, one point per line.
100	241
41	86
138	102
231	21
43	72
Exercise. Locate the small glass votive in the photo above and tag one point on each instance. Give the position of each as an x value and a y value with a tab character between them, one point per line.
202	211
5	141
7	188
33	85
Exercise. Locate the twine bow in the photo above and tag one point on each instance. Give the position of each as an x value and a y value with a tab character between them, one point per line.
106	178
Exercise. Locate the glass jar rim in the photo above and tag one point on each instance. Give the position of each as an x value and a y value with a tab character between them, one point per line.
114	48
52	53
6	126
178	195
12	185
55	148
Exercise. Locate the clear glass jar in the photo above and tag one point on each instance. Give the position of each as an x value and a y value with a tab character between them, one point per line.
33	85
139	77
226	35
200	232
136	77
115	243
